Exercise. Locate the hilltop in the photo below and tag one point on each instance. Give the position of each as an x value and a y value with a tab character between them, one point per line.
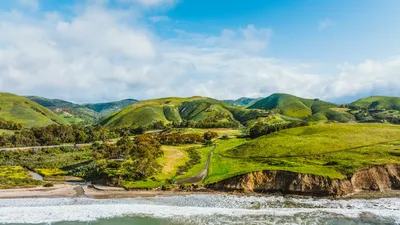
81	113
21	110
301	108
189	112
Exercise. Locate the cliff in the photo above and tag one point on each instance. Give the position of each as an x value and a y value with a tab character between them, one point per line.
376	178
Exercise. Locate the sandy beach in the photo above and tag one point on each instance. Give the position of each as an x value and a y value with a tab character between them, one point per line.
103	192
68	190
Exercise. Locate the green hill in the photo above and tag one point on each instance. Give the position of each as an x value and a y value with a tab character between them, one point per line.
301	108
191	112
109	107
333	150
18	109
377	102
69	111
85	113
242	101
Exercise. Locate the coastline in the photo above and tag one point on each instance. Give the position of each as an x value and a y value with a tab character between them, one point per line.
76	191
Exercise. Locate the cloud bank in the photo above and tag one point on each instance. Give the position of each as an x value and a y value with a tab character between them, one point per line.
101	54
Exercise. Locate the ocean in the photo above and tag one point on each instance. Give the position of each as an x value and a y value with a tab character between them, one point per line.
199	209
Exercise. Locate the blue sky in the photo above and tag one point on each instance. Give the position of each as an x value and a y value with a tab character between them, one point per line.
99	50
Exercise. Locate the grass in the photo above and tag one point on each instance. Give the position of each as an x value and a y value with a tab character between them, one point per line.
50	172
16	177
196	169
174	156
377	102
176	110
332	150
26	112
6	132
301	108
220	131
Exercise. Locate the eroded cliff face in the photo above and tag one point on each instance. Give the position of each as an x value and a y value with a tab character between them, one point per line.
376	178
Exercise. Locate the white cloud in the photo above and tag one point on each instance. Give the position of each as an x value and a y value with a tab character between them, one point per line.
150	3
103	55
325	23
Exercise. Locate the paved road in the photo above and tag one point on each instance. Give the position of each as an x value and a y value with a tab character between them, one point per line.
202	175
44	147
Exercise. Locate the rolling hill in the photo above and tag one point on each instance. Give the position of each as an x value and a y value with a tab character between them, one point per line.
242	101
377	102
192	112
85	113
18	109
301	108
109	107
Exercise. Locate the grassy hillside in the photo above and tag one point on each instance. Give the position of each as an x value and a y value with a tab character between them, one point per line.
26	112
74	113
301	108
334	150
86	113
109	107
242	101
377	102
192	111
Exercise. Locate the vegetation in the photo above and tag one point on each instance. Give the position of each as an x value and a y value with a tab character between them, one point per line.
16	177
334	150
300	108
377	102
242	101
195	112
21	111
81	114
129	160
55	135
261	129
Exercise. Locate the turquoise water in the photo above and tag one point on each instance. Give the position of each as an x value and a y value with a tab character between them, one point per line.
198	209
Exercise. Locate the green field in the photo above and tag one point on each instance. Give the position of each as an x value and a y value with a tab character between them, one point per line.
333	150
174	156
26	112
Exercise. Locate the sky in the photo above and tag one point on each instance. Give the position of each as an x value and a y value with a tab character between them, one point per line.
105	50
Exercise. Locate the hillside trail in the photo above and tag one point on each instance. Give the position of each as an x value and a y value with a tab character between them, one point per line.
202	175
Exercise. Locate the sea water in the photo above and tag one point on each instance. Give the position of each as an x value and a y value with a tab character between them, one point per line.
198	209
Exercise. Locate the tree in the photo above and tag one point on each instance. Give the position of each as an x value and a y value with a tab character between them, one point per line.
209	135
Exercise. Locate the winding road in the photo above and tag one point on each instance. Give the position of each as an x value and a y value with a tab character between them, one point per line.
202	175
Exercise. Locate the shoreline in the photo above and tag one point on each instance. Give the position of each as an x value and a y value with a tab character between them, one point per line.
76	191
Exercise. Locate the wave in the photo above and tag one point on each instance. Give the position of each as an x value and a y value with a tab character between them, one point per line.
199	209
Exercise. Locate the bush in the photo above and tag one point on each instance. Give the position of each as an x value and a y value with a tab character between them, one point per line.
48	185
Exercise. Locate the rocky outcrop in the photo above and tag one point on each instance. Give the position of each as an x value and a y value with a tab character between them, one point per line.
376	178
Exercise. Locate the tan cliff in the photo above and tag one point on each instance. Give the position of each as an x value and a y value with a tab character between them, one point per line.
376	178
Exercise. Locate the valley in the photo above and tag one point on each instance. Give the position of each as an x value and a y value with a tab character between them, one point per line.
197	143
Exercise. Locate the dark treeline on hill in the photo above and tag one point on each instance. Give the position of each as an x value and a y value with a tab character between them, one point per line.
261	129
55	135
10	125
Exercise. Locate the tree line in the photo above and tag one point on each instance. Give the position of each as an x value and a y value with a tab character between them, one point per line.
55	135
261	129
9	125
